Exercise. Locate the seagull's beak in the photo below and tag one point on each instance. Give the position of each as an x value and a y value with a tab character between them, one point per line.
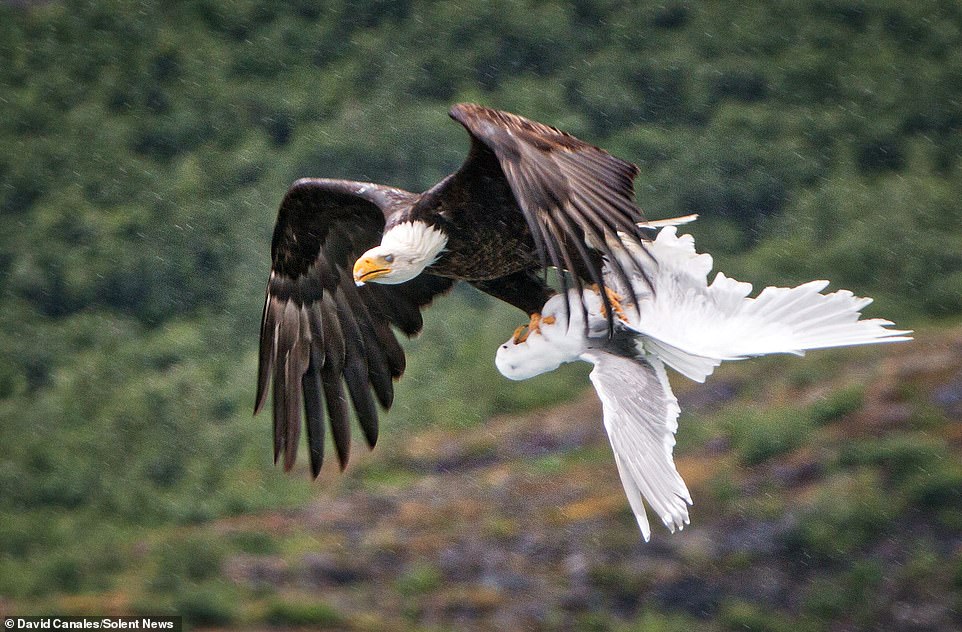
370	268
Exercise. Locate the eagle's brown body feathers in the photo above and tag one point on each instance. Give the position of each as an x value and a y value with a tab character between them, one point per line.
527	197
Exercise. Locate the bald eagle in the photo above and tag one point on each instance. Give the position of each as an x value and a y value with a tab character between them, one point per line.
691	326
352	259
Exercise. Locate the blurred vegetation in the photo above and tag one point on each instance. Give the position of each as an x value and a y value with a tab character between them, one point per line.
148	143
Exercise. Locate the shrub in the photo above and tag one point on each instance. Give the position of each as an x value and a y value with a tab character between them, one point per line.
757	436
849	512
304	612
418	580
838	404
902	456
849	595
208	604
185	561
749	617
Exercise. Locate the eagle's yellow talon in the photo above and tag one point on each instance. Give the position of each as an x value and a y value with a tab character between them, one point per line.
534	327
548	320
616	306
614	299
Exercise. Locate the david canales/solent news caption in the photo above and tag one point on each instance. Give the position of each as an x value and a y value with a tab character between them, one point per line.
172	624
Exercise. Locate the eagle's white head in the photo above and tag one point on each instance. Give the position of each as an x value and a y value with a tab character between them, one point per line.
405	251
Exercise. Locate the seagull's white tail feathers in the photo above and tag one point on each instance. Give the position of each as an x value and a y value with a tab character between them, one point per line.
795	320
641	417
693	326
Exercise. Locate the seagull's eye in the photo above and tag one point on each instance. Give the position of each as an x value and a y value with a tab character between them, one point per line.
389	258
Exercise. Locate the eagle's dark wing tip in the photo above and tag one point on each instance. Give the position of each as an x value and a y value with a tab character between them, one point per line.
260	398
300	183
480	120
298	191
459	110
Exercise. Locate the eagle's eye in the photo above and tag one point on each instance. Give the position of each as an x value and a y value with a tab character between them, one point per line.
389	258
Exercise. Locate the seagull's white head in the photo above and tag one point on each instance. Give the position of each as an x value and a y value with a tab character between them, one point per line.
534	356
548	347
405	251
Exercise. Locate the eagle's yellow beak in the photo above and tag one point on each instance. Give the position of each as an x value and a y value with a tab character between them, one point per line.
369	268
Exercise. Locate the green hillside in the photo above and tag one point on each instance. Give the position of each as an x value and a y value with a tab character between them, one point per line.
147	145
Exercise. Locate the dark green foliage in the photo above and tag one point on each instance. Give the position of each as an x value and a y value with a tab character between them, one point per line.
192	560
208	604
759	436
256	542
184	573
740	615
302	613
920	467
848	595
46	551
838	404
849	513
418	580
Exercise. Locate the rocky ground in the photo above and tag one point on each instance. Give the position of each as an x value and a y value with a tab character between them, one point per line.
854	521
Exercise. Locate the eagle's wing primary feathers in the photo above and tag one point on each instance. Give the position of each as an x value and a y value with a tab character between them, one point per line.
319	332
575	197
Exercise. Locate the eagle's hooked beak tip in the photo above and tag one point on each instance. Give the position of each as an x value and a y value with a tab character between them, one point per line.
368	268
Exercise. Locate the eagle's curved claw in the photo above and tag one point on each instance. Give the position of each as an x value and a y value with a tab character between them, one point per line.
534	327
614	299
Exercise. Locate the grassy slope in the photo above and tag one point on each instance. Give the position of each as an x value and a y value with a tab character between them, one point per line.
827	495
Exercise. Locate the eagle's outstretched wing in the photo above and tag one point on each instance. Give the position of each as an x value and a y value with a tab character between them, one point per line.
575	197
319	332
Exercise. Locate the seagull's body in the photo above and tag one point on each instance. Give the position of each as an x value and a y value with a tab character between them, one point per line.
685	323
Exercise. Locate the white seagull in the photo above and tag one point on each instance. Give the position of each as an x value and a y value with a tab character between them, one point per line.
683	322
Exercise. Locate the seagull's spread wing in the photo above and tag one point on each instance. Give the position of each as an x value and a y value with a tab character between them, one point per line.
575	197
693	325
640	412
320	333
641	417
